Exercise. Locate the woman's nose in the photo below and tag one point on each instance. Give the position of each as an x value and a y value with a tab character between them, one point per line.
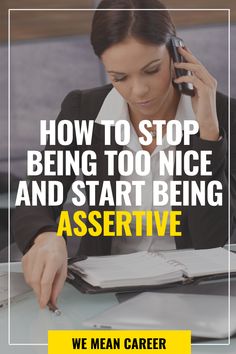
140	90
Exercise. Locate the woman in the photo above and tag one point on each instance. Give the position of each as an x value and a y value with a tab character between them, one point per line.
134	48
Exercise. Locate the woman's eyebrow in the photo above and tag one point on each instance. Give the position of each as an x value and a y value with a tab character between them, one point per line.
143	68
151	62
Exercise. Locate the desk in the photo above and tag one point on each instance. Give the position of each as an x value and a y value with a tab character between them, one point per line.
29	324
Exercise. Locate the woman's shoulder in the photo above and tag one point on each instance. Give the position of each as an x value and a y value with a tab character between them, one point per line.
222	102
86	102
222	106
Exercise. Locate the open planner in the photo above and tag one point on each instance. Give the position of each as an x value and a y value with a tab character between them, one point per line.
147	270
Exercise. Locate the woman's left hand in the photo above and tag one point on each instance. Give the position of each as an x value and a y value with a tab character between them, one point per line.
204	100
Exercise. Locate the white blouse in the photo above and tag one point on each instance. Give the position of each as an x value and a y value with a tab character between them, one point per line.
115	108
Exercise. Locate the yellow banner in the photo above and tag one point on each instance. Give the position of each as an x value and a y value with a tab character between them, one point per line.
122	341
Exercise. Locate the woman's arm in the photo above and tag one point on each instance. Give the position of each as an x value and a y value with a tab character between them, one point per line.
34	227
30	221
209	225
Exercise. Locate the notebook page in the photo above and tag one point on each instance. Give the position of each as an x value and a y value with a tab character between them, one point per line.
202	262
129	269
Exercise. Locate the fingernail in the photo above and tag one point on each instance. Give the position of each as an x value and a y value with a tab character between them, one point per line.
41	304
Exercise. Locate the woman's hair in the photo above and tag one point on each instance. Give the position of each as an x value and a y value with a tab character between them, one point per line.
112	27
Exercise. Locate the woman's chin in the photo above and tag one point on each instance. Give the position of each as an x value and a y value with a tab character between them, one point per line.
148	112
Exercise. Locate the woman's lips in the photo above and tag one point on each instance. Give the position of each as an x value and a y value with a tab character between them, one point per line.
144	103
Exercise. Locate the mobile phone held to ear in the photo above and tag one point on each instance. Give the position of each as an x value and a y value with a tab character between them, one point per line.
185	87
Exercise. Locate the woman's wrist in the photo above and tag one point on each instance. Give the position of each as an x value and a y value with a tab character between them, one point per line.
213	135
209	130
46	236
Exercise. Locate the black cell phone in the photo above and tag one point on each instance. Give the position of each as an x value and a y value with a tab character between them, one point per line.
185	88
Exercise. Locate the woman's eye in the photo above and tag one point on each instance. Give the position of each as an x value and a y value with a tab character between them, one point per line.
119	79
153	71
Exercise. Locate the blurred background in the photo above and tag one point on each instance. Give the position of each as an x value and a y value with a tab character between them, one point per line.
51	55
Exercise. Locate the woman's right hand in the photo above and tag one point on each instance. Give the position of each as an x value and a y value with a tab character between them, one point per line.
45	267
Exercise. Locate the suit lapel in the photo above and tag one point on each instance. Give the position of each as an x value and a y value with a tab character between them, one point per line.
100	245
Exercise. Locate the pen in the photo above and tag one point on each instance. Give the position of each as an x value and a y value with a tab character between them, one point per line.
54	309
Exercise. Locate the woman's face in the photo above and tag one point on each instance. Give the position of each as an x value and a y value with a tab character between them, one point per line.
141	73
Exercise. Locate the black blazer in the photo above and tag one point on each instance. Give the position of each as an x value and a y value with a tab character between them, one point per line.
201	226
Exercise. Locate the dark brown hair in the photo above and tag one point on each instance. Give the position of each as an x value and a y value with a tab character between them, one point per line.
112	27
